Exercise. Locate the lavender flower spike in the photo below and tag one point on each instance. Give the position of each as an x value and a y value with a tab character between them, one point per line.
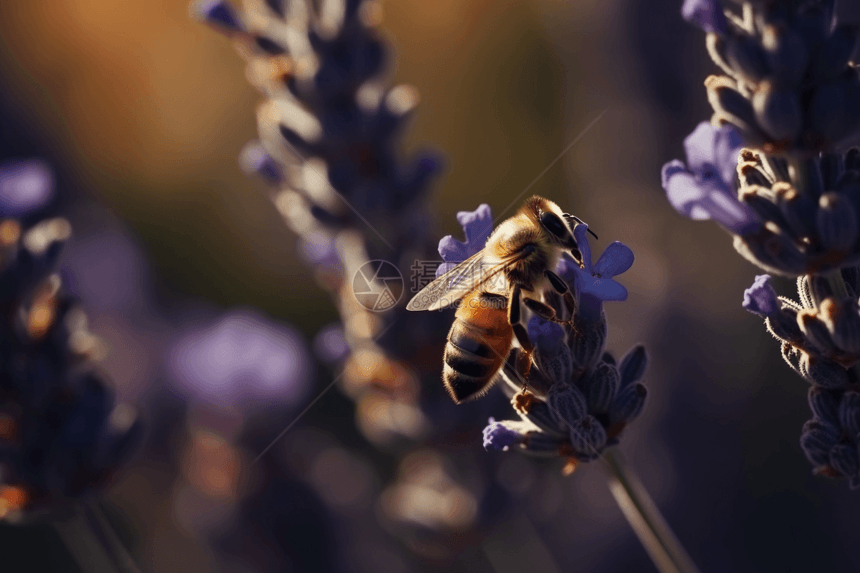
703	189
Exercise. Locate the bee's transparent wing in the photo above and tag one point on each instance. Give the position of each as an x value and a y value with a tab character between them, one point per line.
475	271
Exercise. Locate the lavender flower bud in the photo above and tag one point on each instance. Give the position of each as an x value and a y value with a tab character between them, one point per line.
816	440
545	417
567	404
815	331
552	356
587	436
843	323
731	105
746	57
837	223
786	53
586	344
819	289
600	387
833	56
845	460
823	372
628	404
797	209
543	444
633	365
849	413
783	324
825	404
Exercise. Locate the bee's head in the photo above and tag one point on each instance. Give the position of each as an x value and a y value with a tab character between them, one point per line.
555	223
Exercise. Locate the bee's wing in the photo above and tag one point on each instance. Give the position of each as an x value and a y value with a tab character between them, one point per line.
456	283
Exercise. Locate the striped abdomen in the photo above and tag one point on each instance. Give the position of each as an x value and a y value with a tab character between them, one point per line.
478	345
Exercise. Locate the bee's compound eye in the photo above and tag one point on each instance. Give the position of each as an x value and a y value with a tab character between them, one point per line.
554	225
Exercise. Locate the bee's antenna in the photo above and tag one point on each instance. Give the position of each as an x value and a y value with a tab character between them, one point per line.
578	220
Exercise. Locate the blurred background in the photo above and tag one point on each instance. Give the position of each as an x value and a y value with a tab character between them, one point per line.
185	267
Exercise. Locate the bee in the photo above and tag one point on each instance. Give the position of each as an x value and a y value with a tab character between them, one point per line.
515	268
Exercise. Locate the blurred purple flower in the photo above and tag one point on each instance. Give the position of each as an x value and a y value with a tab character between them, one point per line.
107	269
760	298
218	13
255	160
704	189
243	357
330	344
594	283
24	186
477	225
706	14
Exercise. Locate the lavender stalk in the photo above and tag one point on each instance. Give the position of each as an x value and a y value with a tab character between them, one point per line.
645	518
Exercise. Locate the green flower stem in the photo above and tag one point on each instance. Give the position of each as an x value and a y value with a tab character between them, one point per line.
642	514
92	541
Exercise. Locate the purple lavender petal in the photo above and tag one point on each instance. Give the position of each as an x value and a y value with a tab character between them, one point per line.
727	146
706	14
498	437
712	152
241	356
604	289
218	12
673	167
760	298
580	233
702	200
24	186
477	226
616	259
700	146
547	336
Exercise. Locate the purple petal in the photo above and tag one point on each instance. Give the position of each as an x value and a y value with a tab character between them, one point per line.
706	14
616	259
547	336
218	12
580	233
673	167
604	289
709	200
498	437
700	146
24	186
760	298
452	250
477	226
727	145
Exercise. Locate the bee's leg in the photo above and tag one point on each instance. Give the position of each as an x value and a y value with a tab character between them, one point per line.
561	288
514	317
544	311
